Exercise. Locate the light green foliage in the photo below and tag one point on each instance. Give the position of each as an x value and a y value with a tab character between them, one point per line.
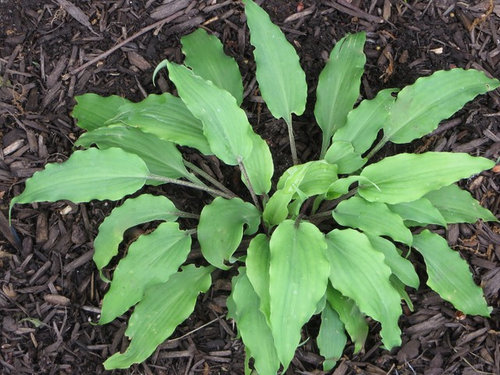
449	275
132	212
282	81
289	270
221	228
150	260
338	85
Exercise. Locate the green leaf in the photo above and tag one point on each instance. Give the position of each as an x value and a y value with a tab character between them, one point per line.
420	107
449	275
132	212
259	166
364	122
150	260
252	326
349	314
372	217
220	229
225	125
282	81
257	262
458	206
408	177
343	185
205	55
92	111
162	309
331	338
400	266
298	276
338	85
87	175
342	154
161	157
420	211
400	287
359	272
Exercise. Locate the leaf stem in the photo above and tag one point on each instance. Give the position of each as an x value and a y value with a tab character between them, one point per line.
291	138
186	215
248	183
377	148
191	185
207	177
330	206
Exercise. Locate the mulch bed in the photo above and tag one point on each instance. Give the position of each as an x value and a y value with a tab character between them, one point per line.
50	290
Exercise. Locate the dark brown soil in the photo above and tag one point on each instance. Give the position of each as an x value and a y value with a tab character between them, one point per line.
50	288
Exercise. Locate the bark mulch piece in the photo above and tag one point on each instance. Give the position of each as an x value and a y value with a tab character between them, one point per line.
52	51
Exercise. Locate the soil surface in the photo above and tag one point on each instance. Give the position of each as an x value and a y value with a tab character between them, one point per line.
51	51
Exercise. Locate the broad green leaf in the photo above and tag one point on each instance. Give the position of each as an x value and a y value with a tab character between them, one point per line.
420	211
400	287
458	206
364	122
400	266
225	125
331	338
132	212
259	166
87	175
220	229
167	117
161	157
343	185
92	111
349	314
359	272
372	217
282	81
342	154
449	275
408	177
420	107
162	309
298	276
300	181
257	262
252	326
205	55
150	260
338	85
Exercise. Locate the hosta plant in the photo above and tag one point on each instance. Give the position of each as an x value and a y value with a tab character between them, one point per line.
330	238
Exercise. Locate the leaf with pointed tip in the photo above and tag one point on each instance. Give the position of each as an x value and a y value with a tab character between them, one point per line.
259	166
257	262
220	229
408	177
252	326
349	314
93	111
298	276
342	154
338	85
150	260
359	272
343	185
87	175
400	287
162	309
331	338
364	122
205	55
132	212
161	157
225	125
282	81
420	211
449	275
458	206
421	106
372	217
400	266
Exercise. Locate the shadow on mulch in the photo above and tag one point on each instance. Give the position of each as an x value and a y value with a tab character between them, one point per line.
50	288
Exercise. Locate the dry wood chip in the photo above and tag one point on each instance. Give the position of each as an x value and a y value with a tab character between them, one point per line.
408	351
169	8
430	324
13	147
76	13
56	73
137	60
473	335
56	299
